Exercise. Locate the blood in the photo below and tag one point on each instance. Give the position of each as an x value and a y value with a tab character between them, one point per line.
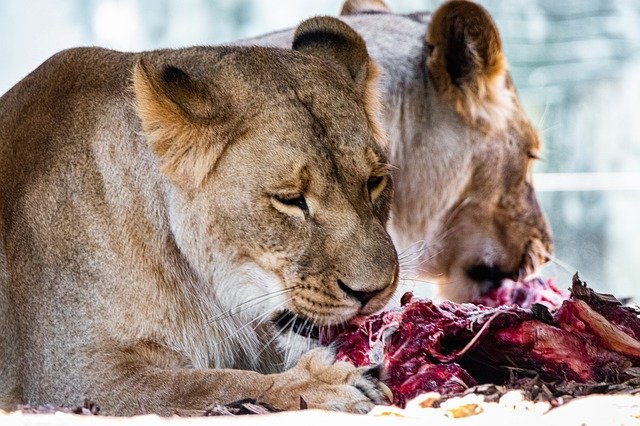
447	347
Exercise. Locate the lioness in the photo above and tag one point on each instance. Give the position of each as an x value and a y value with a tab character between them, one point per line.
174	223
464	213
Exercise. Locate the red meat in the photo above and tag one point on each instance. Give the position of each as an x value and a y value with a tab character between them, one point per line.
602	318
447	347
524	294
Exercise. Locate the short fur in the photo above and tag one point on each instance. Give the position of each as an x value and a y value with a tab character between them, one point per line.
148	234
464	213
467	65
359	6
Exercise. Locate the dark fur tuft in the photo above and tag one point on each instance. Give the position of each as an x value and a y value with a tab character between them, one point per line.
321	37
174	75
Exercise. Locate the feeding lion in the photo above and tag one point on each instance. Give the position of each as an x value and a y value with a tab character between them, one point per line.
172	221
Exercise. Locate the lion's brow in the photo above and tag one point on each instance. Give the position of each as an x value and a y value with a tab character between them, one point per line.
318	126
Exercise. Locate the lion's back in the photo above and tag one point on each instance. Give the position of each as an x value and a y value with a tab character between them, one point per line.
55	105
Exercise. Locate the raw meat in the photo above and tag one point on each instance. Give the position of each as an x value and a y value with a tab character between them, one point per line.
447	347
602	318
524	294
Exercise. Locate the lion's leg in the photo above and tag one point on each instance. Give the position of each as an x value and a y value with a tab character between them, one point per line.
10	393
149	378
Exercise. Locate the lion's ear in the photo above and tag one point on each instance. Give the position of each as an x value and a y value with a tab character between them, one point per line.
353	7
467	63
180	116
336	42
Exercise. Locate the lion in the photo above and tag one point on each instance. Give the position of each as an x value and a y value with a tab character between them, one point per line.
177	226
464	214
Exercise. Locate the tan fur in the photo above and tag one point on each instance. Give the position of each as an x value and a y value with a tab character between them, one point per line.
373	105
149	240
462	31
496	220
365	75
169	129
351	7
461	148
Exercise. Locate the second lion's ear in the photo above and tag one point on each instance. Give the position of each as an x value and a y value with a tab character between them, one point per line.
182	118
467	65
336	42
353	7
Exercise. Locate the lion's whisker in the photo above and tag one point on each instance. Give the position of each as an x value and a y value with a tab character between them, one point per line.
251	303
543	116
390	167
279	331
420	281
257	319
455	210
404	253
407	264
287	349
416	269
308	343
568	268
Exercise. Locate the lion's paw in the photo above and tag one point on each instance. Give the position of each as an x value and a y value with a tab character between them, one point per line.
319	381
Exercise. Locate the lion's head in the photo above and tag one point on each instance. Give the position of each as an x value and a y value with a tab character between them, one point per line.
281	189
464	213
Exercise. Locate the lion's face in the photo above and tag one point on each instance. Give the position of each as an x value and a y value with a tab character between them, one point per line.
306	208
463	214
280	192
494	228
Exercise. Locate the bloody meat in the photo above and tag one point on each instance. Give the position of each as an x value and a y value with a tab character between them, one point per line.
447	347
524	294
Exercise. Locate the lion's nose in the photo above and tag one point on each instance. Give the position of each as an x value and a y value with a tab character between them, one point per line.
361	296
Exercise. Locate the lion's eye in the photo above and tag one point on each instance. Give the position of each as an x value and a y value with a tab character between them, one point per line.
533	155
291	205
375	185
296	201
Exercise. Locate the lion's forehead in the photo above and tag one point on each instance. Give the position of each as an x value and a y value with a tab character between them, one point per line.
306	125
290	95
273	72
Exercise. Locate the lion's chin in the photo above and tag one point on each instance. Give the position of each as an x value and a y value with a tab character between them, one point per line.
293	341
287	321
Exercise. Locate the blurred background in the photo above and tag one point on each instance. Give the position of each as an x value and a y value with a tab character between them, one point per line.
576	64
